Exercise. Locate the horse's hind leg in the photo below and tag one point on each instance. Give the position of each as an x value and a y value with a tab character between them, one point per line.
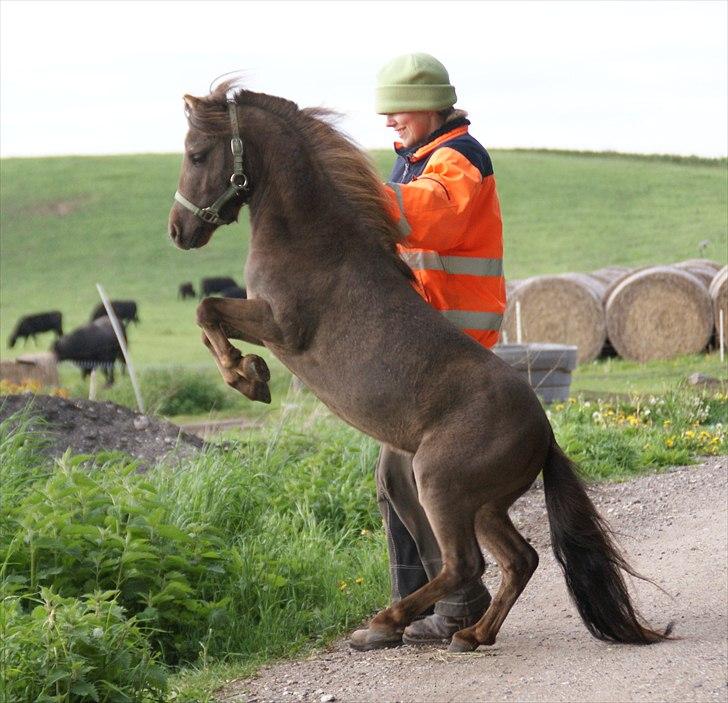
517	560
462	561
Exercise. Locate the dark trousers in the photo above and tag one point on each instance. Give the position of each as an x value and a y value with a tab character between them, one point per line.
414	556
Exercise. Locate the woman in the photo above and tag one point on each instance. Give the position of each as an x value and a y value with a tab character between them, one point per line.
443	194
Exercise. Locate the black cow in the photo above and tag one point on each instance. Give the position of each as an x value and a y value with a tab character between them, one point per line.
91	346
125	310
234	292
30	325
186	290
208	286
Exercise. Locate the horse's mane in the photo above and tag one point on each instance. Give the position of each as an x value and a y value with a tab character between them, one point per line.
349	168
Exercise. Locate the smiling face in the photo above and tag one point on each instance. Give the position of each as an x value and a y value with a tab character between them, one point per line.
413	127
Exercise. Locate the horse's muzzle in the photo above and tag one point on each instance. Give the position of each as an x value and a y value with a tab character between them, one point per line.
189	238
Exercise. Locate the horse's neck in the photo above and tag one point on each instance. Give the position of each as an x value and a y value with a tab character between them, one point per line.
294	202
285	179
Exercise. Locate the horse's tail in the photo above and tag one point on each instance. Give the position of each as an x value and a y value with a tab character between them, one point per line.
589	558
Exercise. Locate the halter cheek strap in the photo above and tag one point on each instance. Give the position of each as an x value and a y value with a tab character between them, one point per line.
238	181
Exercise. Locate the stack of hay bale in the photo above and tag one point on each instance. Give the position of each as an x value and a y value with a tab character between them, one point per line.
655	312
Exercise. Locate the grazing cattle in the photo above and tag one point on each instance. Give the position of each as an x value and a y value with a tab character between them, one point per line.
125	310
234	292
208	286
186	290
30	325
91	346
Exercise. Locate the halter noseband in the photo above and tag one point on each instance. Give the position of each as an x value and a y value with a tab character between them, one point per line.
238	181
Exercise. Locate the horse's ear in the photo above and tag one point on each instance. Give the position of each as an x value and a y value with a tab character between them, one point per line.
191	103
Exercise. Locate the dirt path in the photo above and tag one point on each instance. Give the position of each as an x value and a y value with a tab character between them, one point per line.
674	528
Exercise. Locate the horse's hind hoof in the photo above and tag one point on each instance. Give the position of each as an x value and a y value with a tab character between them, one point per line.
460	645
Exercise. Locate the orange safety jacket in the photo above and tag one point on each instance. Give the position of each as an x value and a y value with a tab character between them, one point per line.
444	197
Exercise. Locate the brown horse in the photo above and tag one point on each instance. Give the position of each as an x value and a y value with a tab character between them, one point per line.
329	296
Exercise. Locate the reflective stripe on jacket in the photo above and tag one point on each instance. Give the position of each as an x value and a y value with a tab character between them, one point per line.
444	196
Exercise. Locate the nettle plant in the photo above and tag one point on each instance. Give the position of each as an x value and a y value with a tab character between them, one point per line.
86	530
71	649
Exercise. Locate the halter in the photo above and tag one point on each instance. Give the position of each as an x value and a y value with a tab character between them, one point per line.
238	181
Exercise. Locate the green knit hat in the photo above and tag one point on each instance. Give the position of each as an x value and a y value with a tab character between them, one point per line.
413	83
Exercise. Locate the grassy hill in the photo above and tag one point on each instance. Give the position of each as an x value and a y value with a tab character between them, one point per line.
68	223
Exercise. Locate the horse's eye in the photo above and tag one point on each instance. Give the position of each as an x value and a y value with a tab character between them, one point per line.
197	158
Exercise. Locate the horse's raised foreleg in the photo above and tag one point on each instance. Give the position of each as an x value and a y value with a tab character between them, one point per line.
249	387
517	560
248	320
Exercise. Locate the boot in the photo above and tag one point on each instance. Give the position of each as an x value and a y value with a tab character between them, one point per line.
374	638
435	629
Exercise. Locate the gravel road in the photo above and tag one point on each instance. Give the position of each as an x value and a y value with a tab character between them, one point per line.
673	527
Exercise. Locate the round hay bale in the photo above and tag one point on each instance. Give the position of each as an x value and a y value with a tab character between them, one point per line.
609	277
558	309
705	273
586	279
659	313
704	263
617	280
609	274
718	292
511	285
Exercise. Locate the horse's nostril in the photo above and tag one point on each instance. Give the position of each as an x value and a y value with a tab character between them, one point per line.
173	231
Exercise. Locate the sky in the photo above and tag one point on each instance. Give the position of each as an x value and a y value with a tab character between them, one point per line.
108	77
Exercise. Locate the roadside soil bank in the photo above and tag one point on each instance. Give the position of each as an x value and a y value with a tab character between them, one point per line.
88	427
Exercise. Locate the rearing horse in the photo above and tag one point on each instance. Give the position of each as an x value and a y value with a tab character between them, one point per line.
329	296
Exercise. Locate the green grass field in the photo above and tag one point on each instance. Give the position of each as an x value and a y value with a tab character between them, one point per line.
68	223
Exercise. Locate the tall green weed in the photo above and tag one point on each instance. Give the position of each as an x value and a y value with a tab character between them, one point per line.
296	504
258	548
21	439
103	528
68	650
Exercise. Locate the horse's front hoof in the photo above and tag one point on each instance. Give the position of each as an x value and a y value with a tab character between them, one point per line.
460	645
261	392
255	368
373	638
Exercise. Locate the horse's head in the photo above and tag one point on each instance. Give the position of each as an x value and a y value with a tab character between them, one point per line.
212	185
